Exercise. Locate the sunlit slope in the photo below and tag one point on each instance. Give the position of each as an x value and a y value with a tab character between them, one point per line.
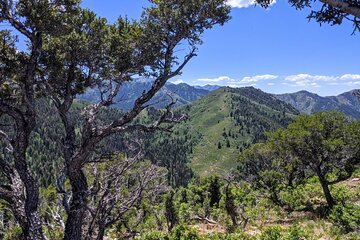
229	120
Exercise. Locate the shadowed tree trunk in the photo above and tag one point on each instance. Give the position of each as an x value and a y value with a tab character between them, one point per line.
325	186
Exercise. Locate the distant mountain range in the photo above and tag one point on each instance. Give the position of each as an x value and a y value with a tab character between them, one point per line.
228	121
307	102
130	91
222	123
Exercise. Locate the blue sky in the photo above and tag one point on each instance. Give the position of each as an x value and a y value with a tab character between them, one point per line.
277	50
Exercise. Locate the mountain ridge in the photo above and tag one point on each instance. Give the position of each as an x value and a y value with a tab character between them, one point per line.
130	91
228	121
304	101
307	102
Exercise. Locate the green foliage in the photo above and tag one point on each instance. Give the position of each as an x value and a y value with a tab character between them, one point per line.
346	216
184	232
214	191
233	236
172	152
13	233
155	236
45	152
342	194
184	212
296	232
230	120
70	50
277	232
181	232
319	145
271	233
333	13
170	211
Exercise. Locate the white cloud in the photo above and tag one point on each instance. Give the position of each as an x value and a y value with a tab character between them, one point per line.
322	78
178	81
258	78
357	83
350	77
308	77
302	83
245	81
239	85
241	3
302	80
308	80
244	3
217	80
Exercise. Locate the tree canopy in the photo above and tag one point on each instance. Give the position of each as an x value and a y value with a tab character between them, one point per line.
70	50
333	12
322	145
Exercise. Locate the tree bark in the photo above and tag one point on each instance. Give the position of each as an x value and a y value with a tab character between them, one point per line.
75	220
32	228
101	234
343	6
73	170
158	221
325	186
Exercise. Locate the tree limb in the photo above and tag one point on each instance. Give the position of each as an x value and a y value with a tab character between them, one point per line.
343	6
7	140
7	15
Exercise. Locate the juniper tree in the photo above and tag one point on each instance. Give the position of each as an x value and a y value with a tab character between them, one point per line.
324	145
19	70
70	50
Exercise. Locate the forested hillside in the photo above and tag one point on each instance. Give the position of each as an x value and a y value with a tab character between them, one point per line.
163	149
229	120
219	127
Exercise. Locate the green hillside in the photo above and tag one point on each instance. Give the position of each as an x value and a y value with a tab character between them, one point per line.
229	120
220	126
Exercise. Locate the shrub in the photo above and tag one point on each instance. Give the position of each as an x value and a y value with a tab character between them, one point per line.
233	236
14	233
272	233
184	232
295	232
155	236
347	217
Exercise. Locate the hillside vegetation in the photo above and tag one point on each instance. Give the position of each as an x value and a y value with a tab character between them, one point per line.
218	205
229	120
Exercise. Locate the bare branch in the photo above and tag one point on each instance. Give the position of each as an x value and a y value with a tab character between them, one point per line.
7	140
144	98
7	14
5	194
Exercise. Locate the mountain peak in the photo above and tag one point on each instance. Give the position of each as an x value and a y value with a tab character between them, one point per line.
232	118
307	102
